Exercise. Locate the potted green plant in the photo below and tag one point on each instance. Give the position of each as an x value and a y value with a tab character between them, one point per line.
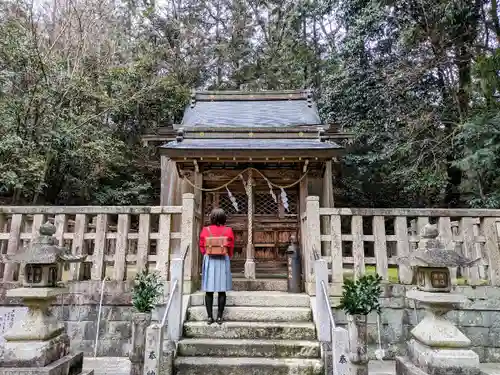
147	290
359	298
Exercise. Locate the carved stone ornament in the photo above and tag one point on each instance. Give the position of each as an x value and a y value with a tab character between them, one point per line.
43	259
431	262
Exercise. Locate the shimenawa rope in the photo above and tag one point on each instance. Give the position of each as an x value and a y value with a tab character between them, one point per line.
240	174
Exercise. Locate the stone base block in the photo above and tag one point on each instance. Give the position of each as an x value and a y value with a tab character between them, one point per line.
34	353
405	367
358	369
250	269
68	365
443	361
424	360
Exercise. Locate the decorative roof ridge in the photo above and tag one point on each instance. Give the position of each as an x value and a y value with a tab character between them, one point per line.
261	95
224	128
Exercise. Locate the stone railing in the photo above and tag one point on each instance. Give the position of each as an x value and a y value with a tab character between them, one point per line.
355	241
118	240
333	339
158	359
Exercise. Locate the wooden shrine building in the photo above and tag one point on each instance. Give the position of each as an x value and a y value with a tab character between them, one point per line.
256	155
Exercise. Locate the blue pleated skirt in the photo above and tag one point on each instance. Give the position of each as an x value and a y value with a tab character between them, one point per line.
216	274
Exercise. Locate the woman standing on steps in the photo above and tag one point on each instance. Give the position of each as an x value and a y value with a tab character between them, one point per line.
217	247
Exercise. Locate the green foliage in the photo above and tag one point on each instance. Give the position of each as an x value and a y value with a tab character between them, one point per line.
416	85
409	82
147	290
361	296
72	116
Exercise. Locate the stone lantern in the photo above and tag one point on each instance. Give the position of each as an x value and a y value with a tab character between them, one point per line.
43	260
38	344
431	262
437	346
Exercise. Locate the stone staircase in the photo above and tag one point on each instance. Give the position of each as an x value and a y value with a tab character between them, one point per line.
265	333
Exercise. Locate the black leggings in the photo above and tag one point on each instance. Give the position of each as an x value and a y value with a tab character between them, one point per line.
209	303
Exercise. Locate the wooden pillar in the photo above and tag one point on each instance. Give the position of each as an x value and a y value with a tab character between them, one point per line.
198	222
327	202
250	255
172	190
168	180
303	192
198	194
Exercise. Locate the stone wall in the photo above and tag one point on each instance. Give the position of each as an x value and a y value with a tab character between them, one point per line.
479	319
79	310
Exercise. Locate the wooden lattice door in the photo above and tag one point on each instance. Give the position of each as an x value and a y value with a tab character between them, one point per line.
273	225
236	219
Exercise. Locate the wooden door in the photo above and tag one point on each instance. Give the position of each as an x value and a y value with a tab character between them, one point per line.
273	225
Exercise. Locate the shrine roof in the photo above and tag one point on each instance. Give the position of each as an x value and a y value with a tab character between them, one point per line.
257	144
192	147
251	109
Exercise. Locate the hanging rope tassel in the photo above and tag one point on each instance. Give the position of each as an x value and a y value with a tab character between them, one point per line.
284	199
271	191
240	176
233	200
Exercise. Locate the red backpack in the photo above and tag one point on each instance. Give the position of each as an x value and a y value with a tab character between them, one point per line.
216	245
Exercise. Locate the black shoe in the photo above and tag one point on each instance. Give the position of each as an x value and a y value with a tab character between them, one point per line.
210	321
219	320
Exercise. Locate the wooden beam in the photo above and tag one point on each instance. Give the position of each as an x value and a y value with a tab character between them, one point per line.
257	156
250	133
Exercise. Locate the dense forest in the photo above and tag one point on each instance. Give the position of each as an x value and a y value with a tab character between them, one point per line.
416	82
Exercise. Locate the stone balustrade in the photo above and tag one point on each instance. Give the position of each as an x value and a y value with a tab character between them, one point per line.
355	240
121	240
118	241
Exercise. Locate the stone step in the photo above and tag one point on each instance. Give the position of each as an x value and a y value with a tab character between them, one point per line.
254	348
254	298
490	368
107	365
247	366
251	330
277	285
255	314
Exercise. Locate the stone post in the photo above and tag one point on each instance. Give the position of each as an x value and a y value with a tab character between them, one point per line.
491	228
189	242
322	317
174	317
140	322
358	353
334	340
155	363
313	233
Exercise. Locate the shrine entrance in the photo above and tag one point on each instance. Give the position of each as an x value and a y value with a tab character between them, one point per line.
274	222
257	156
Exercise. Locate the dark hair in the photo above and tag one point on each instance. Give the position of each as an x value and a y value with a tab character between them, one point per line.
218	217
